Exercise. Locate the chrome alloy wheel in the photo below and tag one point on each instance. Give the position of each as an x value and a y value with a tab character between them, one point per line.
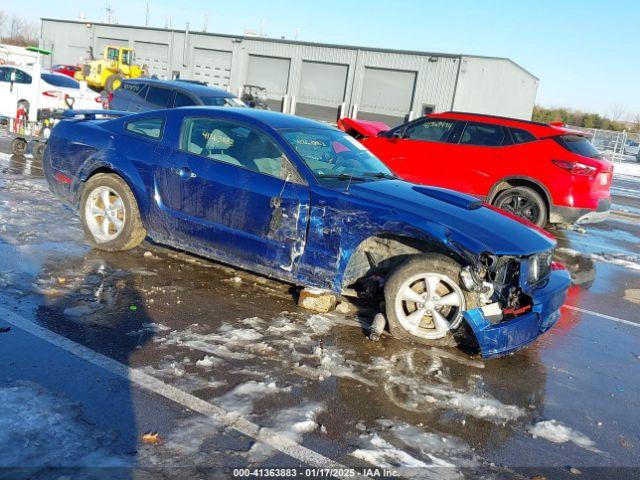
428	305
105	214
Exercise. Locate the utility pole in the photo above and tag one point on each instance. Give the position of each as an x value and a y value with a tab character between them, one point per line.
146	20
206	21
109	12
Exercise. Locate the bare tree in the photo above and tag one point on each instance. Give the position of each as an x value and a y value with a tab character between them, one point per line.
18	31
617	111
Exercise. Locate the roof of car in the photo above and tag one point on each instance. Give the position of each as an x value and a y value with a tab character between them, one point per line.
194	88
538	129
276	120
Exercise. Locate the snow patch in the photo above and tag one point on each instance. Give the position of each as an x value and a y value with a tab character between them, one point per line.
286	427
240	400
41	429
556	432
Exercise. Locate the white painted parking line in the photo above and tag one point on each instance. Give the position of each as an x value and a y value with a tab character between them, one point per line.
143	380
602	315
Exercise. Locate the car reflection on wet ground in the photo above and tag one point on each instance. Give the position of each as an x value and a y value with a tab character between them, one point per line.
564	406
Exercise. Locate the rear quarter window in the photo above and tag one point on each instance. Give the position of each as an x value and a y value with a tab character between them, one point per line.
59	80
521	136
159	97
578	145
146	127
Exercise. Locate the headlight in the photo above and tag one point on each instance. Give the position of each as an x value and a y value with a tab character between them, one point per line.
540	266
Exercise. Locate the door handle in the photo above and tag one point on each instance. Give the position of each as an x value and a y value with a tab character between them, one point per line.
185	173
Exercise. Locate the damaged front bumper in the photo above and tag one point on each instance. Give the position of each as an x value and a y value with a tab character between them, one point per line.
496	339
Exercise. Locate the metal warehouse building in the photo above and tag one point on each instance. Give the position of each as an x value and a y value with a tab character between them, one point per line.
374	84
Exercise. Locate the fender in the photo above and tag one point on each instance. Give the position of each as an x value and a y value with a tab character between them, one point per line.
124	169
493	191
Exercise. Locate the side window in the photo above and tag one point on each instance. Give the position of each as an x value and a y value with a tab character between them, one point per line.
233	144
159	97
183	100
521	136
430	130
146	127
22	77
483	134
5	74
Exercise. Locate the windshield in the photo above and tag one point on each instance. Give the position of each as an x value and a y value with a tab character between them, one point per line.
58	80
222	102
332	154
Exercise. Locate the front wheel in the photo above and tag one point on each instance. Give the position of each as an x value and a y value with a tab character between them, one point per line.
424	300
109	214
523	202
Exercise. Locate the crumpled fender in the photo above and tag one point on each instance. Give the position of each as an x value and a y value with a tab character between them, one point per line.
497	339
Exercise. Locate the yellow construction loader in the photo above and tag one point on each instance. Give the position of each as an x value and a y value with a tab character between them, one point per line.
107	73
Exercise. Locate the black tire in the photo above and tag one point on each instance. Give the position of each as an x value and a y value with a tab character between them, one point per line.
109	83
133	231
419	264
524	202
19	146
38	150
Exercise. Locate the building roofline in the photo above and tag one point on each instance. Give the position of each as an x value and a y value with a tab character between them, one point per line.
459	56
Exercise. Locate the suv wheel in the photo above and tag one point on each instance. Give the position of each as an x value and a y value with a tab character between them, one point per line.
424	300
109	214
523	202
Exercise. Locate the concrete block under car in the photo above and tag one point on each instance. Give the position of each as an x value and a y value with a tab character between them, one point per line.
321	301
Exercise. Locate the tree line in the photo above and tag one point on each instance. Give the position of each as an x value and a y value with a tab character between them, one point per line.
18	31
578	118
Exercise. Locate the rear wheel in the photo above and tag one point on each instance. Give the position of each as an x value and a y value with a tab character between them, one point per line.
424	300
19	146
38	150
523	202
109	214
112	83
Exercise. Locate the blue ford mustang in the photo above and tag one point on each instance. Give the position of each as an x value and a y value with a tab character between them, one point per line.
302	202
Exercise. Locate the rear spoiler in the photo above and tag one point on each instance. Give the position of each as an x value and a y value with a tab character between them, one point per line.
92	114
362	128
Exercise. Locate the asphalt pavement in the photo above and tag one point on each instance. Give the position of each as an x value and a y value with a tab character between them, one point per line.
157	364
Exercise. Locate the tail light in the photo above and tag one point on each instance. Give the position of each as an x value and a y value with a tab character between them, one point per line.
98	99
52	93
576	168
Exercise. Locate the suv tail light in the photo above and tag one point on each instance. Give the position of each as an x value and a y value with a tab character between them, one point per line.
575	168
52	93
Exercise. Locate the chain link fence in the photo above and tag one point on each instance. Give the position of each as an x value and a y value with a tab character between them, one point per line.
615	146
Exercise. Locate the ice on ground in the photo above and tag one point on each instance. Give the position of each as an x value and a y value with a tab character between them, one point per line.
626	169
398	445
425	388
41	429
208	361
285	428
320	324
240	400
556	432
631	262
149	328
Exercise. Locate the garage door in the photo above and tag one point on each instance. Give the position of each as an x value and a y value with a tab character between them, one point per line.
212	67
387	95
270	73
102	42
322	88
155	56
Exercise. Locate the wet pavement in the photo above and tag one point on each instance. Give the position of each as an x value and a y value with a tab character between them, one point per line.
229	373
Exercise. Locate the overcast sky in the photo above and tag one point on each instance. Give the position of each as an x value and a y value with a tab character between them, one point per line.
586	53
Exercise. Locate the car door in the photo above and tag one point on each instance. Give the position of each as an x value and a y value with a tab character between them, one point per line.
240	199
481	154
417	152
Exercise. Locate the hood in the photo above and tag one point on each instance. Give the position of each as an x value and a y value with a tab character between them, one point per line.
362	128
463	218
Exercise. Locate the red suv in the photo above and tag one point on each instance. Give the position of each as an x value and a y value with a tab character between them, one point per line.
543	173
